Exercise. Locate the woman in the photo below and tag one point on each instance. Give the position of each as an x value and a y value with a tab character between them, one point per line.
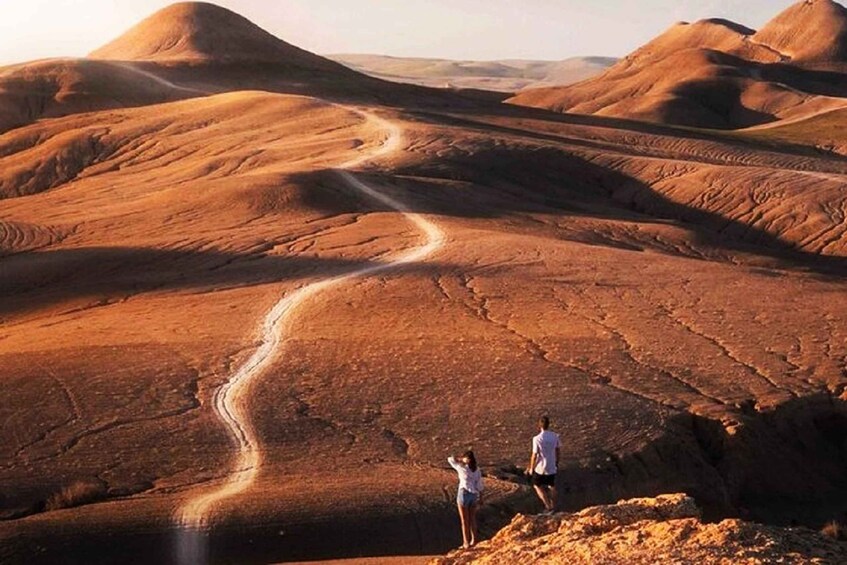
469	496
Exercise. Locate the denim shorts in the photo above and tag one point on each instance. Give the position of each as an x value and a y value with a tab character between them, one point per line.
466	498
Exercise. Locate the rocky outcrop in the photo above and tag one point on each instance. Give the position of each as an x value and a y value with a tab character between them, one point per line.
647	530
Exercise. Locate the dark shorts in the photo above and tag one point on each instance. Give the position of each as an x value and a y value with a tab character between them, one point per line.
543	480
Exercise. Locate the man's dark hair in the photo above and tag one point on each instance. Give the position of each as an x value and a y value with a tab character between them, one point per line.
544	422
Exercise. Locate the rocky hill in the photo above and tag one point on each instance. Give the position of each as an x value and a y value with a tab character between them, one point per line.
665	529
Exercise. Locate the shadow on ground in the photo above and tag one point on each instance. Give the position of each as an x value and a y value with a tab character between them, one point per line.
494	183
784	466
366	534
43	278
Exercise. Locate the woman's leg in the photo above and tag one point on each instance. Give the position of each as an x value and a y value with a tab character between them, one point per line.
463	517
472	510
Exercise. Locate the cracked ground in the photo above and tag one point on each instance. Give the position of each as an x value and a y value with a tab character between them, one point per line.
671	303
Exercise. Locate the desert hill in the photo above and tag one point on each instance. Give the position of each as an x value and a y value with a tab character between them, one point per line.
186	50
197	31
692	87
811	31
647	531
711	34
502	76
724	75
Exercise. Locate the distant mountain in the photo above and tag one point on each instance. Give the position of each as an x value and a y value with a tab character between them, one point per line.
719	74
509	75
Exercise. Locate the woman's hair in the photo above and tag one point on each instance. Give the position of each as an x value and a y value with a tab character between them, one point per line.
471	460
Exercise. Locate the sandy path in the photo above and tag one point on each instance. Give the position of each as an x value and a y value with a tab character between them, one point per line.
230	399
158	79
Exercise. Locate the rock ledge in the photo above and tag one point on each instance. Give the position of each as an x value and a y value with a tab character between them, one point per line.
647	530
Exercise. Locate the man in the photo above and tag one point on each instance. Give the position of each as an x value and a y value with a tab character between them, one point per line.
543	464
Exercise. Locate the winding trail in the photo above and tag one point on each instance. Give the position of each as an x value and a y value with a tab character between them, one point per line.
230	400
156	78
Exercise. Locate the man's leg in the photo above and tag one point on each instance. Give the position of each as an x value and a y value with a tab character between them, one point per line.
554	497
541	491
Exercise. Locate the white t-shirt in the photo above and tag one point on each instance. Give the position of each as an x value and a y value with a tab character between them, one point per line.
469	480
544	447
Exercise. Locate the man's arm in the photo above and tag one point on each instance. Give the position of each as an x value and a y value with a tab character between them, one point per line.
558	445
532	459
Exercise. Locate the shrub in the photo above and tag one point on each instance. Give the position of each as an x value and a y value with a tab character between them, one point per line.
76	494
835	531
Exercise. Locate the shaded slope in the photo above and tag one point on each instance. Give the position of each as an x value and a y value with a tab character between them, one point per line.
52	88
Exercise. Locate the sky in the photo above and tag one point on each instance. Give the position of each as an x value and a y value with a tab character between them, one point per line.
454	29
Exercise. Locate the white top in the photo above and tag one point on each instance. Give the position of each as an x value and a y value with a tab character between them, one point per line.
469	480
544	447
